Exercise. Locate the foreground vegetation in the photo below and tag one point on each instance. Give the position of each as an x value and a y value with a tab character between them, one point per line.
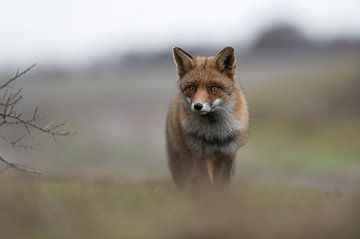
31	207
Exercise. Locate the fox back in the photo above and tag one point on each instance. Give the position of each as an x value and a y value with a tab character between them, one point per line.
207	120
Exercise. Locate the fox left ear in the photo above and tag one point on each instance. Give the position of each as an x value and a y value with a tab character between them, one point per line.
183	60
225	61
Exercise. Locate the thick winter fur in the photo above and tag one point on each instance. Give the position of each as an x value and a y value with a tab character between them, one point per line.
202	143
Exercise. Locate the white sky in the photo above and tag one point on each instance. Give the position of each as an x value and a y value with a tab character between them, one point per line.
80	30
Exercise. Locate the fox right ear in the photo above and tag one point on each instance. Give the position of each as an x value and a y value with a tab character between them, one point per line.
183	60
226	62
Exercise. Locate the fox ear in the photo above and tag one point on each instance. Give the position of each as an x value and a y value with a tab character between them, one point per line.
225	61
183	60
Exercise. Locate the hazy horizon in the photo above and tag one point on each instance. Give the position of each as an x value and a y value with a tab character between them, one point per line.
80	31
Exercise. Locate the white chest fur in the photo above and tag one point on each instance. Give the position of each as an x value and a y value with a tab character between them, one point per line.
216	132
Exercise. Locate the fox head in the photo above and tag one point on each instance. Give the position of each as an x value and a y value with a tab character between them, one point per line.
206	83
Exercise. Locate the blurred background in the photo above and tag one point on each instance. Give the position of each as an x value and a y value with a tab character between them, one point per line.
106	68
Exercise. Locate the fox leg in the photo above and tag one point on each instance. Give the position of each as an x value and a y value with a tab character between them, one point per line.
180	171
203	175
181	167
224	169
210	170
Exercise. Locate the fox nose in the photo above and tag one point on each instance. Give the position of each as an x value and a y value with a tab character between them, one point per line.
198	106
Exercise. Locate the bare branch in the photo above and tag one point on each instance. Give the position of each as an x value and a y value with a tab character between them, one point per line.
17	142
18	119
17	75
19	167
35	113
10	117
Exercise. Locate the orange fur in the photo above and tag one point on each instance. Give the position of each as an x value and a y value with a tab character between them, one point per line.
202	145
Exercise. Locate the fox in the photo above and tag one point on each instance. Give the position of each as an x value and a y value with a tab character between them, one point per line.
207	120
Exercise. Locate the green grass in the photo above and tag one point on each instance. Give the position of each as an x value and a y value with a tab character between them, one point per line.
320	150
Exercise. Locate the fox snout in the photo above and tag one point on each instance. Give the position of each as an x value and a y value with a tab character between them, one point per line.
200	102
203	107
198	106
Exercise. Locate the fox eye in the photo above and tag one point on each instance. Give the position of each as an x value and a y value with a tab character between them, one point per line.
214	88
191	88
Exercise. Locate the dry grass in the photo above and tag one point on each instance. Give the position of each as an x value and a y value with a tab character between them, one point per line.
77	208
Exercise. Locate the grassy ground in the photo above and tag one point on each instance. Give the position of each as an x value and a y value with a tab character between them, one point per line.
103	208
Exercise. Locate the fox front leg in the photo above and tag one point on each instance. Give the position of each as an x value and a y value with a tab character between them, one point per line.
203	176
224	167
181	167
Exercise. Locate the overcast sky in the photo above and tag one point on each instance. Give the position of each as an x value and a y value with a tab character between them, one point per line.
81	30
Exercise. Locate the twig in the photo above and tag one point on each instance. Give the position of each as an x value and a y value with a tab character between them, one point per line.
19	167
17	75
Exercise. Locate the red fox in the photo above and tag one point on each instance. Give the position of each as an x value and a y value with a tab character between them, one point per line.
208	119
